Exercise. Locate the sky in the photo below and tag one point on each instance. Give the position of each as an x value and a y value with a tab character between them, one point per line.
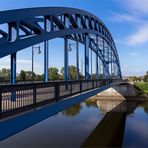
126	20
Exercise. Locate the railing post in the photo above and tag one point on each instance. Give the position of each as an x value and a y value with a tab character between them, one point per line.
57	91
99	82
92	83
80	86
70	88
0	103
34	95
102	82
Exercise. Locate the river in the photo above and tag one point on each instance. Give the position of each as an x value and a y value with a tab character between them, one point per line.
91	123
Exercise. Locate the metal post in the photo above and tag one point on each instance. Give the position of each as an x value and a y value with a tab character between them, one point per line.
86	57
46	53
13	69
111	65
97	67
65	59
13	75
82	62
91	64
46	61
77	60
104	70
34	95
32	64
108	59
97	71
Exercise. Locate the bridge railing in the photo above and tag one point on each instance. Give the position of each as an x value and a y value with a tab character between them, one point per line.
21	97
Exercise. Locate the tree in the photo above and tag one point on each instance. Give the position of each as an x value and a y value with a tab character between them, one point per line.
39	77
54	73
22	75
145	78
71	72
93	76
5	74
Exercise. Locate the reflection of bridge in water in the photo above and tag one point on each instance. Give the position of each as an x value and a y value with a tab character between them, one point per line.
110	131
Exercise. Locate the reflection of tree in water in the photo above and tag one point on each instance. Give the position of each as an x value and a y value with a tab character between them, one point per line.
145	106
90	103
72	111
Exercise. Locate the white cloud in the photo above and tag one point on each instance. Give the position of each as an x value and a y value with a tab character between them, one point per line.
130	70
22	64
134	53
121	17
139	37
138	6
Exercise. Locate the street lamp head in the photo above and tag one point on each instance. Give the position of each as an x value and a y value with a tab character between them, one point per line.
39	51
70	46
69	49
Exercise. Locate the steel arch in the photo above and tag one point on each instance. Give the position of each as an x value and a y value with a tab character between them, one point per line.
27	27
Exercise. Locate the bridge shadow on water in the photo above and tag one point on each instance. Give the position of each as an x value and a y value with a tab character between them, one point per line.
110	131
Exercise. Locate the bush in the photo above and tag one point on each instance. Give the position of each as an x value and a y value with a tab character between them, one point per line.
143	87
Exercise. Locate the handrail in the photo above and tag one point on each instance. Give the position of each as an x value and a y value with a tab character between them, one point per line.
20	97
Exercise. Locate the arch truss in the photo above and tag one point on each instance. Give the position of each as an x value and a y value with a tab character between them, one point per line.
23	28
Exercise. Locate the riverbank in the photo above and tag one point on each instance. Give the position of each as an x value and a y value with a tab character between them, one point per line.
142	89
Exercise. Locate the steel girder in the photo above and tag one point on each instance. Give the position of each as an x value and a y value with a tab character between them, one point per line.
26	27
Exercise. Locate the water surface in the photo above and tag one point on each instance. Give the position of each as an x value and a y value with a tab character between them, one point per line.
90	123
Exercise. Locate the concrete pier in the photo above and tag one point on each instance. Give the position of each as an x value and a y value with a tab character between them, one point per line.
120	91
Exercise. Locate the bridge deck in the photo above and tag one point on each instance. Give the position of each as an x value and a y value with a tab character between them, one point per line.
35	116
20	97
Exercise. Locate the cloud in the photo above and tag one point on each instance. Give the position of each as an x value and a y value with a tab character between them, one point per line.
138	6
134	54
22	64
130	70
139	37
122	17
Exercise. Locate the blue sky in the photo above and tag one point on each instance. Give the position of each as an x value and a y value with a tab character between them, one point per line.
127	21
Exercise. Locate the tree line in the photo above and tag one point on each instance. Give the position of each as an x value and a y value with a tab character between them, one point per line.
141	78
53	73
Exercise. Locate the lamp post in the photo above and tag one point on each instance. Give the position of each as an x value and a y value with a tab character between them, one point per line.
77	57
38	52
82	63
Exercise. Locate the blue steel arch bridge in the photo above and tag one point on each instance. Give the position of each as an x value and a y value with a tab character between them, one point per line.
27	27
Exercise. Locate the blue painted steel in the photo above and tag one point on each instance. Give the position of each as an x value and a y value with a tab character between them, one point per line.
31	24
97	68
87	76
46	61
104	69
30	118
13	75
77	60
13	69
66	59
91	63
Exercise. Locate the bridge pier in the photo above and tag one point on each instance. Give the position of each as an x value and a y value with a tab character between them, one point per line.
86	57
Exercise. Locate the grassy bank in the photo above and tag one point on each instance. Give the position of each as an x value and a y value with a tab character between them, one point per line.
142	88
